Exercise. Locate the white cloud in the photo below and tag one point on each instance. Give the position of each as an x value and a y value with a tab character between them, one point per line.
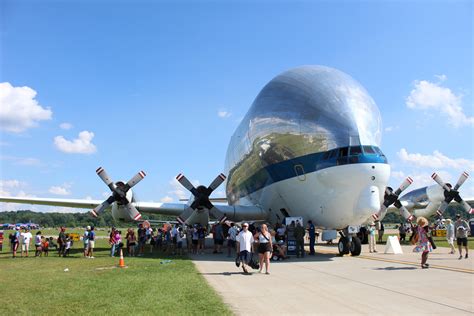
81	145
435	161
167	199
391	128
60	190
22	161
223	113
19	110
441	78
65	126
432	96
178	191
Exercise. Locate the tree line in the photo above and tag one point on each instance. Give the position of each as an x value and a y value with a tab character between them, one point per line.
69	219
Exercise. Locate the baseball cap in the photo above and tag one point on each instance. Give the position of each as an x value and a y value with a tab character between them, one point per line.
245	224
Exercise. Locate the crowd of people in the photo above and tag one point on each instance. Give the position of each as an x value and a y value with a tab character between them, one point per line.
242	243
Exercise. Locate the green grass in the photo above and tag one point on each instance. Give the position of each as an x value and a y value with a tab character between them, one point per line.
40	286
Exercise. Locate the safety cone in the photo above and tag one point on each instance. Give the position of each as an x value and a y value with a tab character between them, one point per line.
121	261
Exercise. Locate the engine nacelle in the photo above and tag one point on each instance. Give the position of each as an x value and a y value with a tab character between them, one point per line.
120	212
424	201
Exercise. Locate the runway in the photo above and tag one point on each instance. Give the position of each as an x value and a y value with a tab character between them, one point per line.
364	285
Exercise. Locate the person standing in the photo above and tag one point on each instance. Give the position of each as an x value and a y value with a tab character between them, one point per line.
450	235
141	239
403	232
245	246
264	248
424	245
131	242
312	237
38	244
61	241
26	238
381	232
299	237
85	240
90	250
15	241
45	246
189	238
112	242
218	237
461	227
372	243
231	242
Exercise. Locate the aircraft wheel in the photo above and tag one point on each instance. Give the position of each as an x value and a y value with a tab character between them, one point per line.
356	246
343	246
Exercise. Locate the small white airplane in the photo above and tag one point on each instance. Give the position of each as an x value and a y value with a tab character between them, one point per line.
309	147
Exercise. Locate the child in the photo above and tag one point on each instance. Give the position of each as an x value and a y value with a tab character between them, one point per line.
38	244
68	246
45	246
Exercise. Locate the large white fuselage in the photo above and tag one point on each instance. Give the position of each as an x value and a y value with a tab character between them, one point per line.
308	147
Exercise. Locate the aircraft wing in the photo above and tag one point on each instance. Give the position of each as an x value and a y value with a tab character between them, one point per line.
233	212
87	204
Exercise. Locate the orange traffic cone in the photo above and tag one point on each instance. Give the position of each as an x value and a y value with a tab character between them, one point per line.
121	261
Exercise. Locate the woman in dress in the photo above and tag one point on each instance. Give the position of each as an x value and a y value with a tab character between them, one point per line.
424	245
264	247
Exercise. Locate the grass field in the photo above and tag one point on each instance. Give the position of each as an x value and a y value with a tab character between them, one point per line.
150	285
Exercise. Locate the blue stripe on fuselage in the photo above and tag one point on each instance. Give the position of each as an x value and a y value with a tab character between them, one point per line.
288	169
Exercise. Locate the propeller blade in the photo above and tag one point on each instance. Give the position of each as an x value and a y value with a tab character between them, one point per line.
185	182
221	217
380	213
406	214
217	182
438	180
461	180
134	214
136	178
105	177
100	208
405	184
466	206
183	217
442	208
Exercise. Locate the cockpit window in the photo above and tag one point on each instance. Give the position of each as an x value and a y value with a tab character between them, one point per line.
368	150
356	150
377	150
326	155
332	153
343	152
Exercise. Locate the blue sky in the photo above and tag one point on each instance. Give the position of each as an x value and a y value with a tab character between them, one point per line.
161	86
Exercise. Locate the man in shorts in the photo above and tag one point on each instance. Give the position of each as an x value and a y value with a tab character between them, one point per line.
25	242
90	249
245	246
461	229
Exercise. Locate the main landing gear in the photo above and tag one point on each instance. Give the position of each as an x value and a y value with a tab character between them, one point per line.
348	244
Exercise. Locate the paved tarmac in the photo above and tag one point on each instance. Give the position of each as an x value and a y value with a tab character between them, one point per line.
373	283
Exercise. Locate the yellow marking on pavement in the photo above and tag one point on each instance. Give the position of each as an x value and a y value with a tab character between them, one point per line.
469	271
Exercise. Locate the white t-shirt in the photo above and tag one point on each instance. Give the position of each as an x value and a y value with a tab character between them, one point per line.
27	237
245	239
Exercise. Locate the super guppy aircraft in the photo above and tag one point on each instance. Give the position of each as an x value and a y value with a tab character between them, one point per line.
308	146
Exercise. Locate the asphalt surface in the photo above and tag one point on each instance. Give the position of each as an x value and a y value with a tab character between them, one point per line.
372	283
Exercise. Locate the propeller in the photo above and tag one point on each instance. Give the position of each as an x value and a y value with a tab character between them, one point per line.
201	198
119	193
451	193
391	197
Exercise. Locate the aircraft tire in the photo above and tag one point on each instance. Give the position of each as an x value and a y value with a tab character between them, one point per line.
356	246
343	246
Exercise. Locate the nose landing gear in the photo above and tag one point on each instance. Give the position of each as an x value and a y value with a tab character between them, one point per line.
349	243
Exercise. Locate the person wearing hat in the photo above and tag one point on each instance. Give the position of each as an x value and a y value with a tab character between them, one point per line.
245	246
424	246
372	243
462	230
450	235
